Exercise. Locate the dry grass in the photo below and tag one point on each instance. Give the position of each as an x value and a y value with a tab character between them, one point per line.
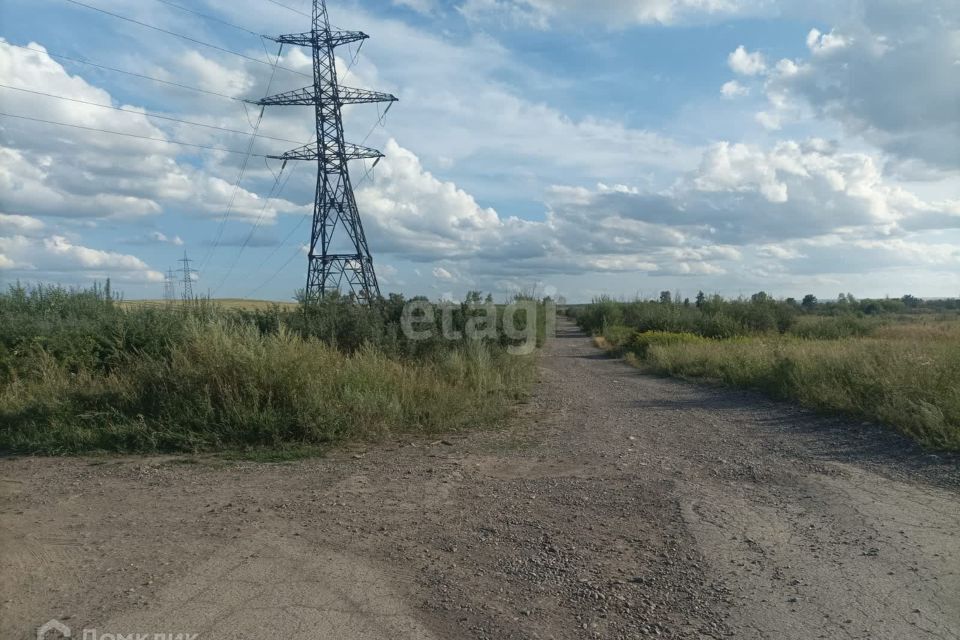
911	384
227	386
222	303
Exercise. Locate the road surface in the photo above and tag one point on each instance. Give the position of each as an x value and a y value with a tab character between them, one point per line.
616	505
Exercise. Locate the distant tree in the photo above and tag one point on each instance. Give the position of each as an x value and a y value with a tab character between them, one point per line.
760	296
911	302
666	297
851	299
809	302
686	302
701	298
791	301
473	297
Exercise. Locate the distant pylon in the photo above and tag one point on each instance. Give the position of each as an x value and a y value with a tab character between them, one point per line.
187	278
169	286
344	260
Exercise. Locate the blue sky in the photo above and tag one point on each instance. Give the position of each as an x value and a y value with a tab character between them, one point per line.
584	147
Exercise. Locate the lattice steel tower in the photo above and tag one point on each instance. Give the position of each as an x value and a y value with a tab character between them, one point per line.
339	254
187	278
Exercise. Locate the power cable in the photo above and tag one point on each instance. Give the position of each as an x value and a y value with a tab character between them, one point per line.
289	8
243	168
207	16
125	72
185	37
141	113
130	135
274	193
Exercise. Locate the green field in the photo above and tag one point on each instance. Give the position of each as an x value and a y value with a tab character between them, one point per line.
900	368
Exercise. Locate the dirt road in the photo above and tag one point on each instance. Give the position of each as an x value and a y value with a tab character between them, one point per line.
621	505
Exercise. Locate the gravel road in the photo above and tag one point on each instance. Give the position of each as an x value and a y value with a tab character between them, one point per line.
618	505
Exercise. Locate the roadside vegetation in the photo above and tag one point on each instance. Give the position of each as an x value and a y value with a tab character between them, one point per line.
81	372
896	362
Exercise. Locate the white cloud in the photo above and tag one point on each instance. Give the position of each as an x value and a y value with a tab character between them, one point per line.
20	225
741	196
50	171
745	63
442	274
58	258
769	121
733	89
823	43
612	13
888	75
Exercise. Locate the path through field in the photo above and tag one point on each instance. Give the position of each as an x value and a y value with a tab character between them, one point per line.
621	505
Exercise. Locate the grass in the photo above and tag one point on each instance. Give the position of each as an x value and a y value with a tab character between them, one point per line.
222	303
79	373
901	370
911	385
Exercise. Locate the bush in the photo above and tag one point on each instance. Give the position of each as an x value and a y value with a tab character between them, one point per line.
641	343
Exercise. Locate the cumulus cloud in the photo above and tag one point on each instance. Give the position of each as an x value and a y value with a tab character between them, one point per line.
745	63
890	75
57	257
67	172
743	200
733	89
442	274
20	225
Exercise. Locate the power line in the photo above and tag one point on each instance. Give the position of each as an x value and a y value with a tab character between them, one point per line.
185	37
207	16
125	72
243	169
285	264
140	113
131	135
289	8
274	193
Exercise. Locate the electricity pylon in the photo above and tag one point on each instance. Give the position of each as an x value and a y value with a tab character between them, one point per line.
187	278
169	286
339	254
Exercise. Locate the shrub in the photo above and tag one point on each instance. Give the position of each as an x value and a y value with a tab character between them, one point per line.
641	343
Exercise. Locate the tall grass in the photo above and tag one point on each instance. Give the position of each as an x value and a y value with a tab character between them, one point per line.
900	369
913	386
80	373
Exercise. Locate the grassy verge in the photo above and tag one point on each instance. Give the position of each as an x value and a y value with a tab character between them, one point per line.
82	375
907	377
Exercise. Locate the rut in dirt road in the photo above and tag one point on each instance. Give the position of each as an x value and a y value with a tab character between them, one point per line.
621	506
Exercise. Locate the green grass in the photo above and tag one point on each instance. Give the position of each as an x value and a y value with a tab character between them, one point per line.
80	373
910	382
897	365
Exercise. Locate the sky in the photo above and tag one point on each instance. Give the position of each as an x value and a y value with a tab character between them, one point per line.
569	147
